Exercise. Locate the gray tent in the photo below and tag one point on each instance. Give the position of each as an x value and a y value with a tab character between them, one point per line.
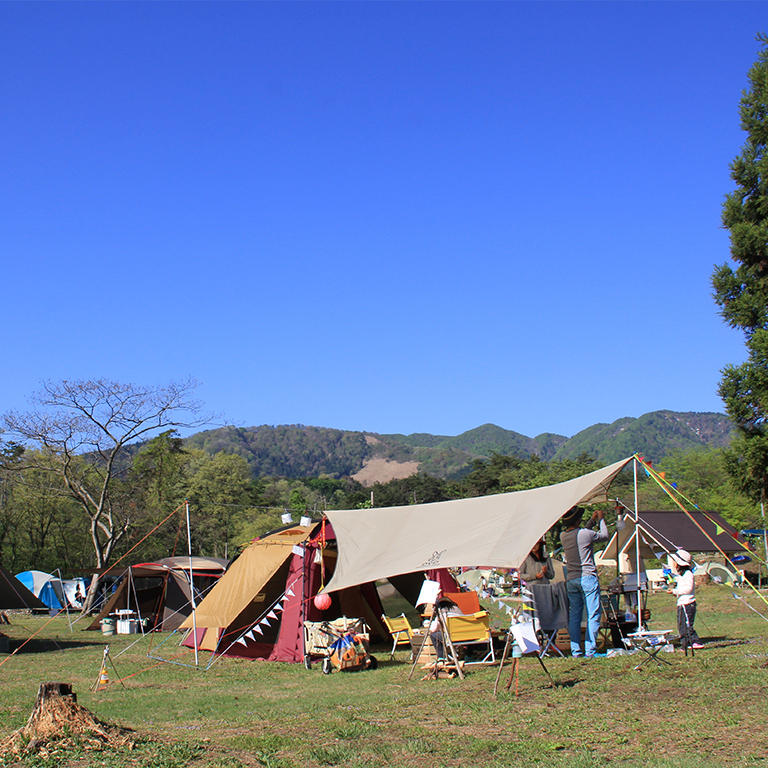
667	531
160	593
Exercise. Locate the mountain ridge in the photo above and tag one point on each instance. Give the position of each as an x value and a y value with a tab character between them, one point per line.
297	450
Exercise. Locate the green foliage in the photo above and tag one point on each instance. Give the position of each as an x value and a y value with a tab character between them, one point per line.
703	478
289	451
248	527
39	526
421	488
485	477
487	439
742	293
220	491
501	474
653	435
158	468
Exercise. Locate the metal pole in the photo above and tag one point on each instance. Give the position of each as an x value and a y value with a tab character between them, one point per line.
637	552
765	533
64	595
191	583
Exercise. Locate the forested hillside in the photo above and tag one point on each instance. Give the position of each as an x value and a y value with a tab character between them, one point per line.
238	482
289	451
301	451
655	435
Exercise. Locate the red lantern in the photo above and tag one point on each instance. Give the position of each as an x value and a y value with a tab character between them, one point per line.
322	602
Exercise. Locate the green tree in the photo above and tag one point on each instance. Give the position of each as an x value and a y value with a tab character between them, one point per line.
421	488
159	468
39	524
702	477
742	292
82	430
221	491
159	476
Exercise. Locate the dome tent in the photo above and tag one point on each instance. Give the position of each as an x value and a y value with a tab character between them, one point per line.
159	592
46	586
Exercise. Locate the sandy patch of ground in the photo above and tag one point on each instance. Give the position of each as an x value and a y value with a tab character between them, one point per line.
384	470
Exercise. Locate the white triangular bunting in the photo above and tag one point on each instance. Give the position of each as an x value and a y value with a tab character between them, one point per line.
241	641
271	615
257	629
290	592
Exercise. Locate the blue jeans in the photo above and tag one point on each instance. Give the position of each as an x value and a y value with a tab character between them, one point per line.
583	591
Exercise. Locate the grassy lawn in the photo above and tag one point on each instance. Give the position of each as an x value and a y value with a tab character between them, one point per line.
705	711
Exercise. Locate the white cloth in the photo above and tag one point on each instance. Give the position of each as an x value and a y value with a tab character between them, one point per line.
685	588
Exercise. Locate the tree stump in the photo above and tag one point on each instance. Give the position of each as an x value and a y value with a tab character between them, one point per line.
49	691
57	717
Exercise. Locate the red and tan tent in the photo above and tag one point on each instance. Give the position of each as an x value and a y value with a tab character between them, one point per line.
268	592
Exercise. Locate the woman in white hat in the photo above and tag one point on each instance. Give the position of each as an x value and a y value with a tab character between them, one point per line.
685	589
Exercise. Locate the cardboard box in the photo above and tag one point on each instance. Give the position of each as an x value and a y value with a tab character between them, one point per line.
428	654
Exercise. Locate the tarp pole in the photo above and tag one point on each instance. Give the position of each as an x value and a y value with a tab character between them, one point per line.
637	551
191	583
765	533
64	597
136	600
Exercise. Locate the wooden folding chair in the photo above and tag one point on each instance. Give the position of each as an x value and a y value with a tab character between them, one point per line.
472	630
400	629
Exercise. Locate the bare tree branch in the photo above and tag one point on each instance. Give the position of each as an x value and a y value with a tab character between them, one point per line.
80	428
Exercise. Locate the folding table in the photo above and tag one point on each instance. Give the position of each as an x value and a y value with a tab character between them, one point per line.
650	642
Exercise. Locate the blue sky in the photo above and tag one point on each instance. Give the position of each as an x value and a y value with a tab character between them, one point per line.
390	217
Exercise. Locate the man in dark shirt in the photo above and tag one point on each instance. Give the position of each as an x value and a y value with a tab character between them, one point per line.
582	584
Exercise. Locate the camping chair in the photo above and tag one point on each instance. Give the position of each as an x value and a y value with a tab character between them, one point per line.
468	602
400	629
474	629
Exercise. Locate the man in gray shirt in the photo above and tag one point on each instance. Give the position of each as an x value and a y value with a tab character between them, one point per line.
582	584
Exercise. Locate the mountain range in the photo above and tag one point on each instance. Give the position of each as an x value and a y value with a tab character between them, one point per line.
295	451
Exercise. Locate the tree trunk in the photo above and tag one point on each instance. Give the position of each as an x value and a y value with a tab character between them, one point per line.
92	594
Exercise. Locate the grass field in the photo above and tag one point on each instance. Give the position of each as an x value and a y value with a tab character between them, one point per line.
706	711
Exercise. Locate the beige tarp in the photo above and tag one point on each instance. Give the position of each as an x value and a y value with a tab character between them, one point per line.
492	531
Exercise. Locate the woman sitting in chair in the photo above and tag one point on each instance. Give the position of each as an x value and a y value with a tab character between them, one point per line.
447	608
537	567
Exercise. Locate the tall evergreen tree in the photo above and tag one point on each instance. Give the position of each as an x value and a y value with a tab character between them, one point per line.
742	292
